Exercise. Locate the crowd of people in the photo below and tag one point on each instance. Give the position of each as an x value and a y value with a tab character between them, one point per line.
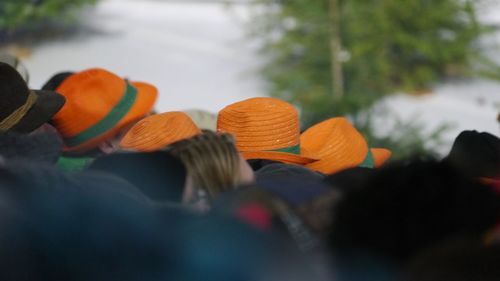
97	185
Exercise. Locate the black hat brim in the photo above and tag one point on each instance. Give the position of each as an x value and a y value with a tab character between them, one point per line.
46	106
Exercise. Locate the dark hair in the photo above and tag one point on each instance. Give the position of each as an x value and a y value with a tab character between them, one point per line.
158	174
351	179
282	170
404	209
258	164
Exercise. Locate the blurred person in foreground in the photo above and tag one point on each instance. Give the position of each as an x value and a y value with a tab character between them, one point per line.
100	108
457	260
158	175
289	208
404	209
69	227
86	226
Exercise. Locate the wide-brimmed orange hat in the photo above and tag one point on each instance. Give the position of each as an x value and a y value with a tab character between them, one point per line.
98	105
340	146
158	131
264	128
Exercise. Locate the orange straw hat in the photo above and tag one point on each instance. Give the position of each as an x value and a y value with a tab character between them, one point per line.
264	128
98	105
339	146
158	131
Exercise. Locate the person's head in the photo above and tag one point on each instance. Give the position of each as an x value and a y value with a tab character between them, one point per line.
350	179
100	108
406	208
23	110
213	164
158	174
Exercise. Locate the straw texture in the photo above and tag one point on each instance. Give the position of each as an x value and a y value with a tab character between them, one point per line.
336	143
264	128
158	131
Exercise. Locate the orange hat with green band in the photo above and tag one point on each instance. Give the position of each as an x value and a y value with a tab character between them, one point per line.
264	128
340	146
98	105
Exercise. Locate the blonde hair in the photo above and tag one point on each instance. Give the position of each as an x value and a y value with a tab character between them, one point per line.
212	161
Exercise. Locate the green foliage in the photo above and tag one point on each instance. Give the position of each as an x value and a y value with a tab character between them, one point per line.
392	46
15	14
406	139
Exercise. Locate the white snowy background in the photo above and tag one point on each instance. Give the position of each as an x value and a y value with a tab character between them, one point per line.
198	56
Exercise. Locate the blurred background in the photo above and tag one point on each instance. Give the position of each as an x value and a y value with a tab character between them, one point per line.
410	74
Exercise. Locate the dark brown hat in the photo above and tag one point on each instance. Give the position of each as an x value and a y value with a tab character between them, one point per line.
23	110
56	80
477	154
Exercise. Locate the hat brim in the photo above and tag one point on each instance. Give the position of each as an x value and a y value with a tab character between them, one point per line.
146	99
380	156
283	157
331	166
143	105
48	103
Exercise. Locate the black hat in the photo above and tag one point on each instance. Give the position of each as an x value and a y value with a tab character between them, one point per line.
476	154
157	174
53	83
23	110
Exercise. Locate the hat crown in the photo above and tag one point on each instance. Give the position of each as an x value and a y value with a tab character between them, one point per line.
90	96
13	90
261	124
336	143
157	131
335	133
